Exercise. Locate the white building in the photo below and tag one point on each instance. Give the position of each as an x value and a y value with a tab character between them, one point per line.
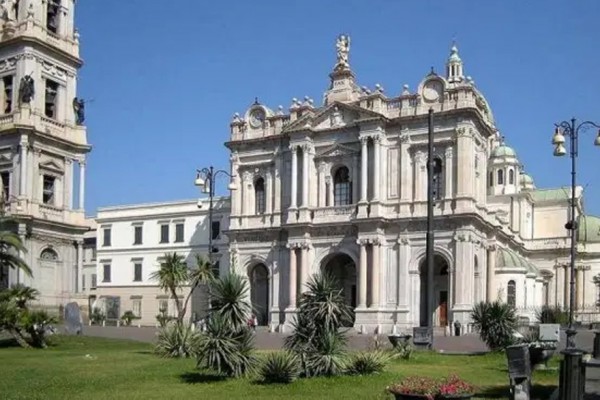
342	187
43	144
131	240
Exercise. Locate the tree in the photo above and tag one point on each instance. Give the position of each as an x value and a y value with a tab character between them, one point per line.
496	323
174	274
317	339
10	246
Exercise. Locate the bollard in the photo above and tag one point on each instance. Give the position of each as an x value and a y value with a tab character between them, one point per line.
596	352
457	327
572	375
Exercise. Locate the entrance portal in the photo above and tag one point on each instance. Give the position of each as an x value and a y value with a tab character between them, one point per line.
342	268
437	298
259	293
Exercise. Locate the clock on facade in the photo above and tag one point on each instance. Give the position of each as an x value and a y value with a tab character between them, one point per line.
432	90
257	117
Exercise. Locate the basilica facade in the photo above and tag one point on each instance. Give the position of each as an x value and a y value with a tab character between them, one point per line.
342	187
43	145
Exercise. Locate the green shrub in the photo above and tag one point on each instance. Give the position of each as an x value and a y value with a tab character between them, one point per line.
367	363
128	316
177	341
496	323
279	367
403	350
552	315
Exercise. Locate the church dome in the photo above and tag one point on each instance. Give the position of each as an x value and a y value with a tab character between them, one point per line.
503	151
588	230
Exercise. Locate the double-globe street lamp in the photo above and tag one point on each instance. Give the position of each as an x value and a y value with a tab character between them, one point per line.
571	383
205	180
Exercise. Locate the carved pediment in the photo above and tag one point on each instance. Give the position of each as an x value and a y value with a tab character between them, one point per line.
336	150
336	115
51	166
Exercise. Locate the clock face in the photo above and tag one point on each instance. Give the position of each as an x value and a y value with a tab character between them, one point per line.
257	118
432	91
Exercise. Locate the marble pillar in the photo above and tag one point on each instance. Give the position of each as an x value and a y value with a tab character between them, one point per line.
305	175
293	283
82	184
376	167
491	273
23	170
375	275
364	180
449	173
362	275
294	198
79	270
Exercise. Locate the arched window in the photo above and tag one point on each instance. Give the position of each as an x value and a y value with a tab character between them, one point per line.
511	177
49	255
491	179
437	178
500	177
511	294
259	196
342	187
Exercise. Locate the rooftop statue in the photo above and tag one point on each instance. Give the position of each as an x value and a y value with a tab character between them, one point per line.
343	50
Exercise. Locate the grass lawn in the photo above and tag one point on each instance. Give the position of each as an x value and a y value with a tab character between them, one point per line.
93	368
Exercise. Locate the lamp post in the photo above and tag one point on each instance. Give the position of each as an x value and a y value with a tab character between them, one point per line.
571	382
205	180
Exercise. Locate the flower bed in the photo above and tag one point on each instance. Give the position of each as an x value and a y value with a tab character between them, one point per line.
425	388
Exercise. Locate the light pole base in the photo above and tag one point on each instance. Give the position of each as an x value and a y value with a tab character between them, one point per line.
572	375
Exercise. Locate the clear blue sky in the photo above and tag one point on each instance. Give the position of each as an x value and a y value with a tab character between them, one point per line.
167	76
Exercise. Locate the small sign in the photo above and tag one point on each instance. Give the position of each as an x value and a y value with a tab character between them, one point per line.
519	364
549	332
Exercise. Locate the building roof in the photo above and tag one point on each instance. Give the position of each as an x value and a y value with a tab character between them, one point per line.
556	194
588	229
507	258
503	151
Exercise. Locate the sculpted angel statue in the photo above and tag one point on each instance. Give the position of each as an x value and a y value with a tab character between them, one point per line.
9	10
343	49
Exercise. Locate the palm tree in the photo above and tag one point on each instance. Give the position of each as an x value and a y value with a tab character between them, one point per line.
10	246
496	323
174	274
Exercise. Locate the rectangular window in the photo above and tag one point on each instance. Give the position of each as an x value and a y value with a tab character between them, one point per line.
94	281
82	282
164	233
48	189
137	271
8	93
5	175
216	229
137	234
50	99
106	237
179	232
93	254
136	307
106	273
52	15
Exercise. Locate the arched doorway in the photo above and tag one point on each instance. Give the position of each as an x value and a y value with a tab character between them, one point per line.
259	293
342	268
439	295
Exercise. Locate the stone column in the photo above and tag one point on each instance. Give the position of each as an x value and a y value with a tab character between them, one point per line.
376	166
68	185
465	159
567	282
362	274
305	172
375	268
449	173
277	184
304	266
420	177
364	180
355	181
82	184
579	291
23	170
293	284
269	193
405	170
403	277
322	186
491	273
79	270
463	260
330	190
294	198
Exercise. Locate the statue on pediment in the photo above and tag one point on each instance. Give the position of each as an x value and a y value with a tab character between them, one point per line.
79	110
336	118
9	10
343	51
26	89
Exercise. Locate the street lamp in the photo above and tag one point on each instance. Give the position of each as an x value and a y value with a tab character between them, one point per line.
571	386
205	180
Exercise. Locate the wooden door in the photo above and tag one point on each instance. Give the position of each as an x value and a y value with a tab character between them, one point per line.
443	308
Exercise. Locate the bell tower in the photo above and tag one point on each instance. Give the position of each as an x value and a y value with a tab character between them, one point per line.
43	143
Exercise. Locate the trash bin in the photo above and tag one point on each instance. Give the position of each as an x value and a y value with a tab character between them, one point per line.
457	328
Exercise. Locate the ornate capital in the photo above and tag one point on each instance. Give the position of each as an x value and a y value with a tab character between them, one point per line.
449	152
247	176
377	138
294	148
363	140
403	240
